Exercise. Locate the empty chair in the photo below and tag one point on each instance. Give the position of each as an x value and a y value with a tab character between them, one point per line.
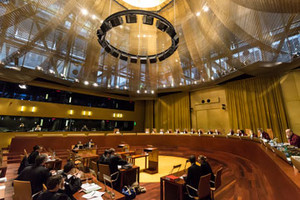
94	168
203	190
104	169
217	183
22	190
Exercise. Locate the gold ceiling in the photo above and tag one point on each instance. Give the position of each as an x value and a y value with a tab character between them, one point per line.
217	37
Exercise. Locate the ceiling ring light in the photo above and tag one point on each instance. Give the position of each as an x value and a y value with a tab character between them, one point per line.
116	19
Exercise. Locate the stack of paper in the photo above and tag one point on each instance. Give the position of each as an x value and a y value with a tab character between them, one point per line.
89	187
96	195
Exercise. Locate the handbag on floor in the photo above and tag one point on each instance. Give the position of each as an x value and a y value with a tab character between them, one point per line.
129	192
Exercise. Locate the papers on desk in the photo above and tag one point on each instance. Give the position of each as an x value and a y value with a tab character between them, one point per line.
3	180
96	195
90	187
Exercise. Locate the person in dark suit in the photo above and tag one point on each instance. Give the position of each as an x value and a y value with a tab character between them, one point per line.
72	180
263	134
115	160
37	174
32	156
205	167
193	175
292	138
54	184
104	158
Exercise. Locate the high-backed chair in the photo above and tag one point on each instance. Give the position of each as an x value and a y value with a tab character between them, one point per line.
217	183
22	190
270	132
203	190
94	167
104	169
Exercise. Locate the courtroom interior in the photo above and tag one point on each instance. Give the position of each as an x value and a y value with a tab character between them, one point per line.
149	99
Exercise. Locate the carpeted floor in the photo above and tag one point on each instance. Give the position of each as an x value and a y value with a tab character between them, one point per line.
165	165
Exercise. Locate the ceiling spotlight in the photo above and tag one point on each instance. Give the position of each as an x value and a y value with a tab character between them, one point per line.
125	88
105	26
95	84
138	36
161	25
133	59
138	91
23	86
145	91
198	14
172	84
148	20
205	8
180	83
144	36
164	85
153	59
51	71
84	11
176	60
131	18
121	26
94	17
123	57
76	80
115	53
116	21
86	83
108	86
152	91
143	60
117	86
195	82
62	75
212	78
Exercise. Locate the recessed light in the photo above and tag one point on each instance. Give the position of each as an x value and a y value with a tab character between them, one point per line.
86	83
95	84
205	8
198	14
152	91
84	11
138	91
145	91
94	17
117	86
164	85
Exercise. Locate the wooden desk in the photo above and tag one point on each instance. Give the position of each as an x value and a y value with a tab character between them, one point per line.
106	196
124	154
170	190
86	151
129	176
152	160
86	158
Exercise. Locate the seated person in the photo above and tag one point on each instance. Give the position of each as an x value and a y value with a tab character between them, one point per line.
154	130
209	132
205	167
193	131
84	128
37	128
169	131
37	174
161	131
231	132
114	161
252	135
262	134
72	179
54	184
32	156
193	175
185	131
217	132
177	131
104	158
147	130
199	132
90	144
117	131
292	138
22	128
77	146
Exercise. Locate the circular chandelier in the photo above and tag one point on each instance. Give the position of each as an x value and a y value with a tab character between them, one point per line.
116	19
